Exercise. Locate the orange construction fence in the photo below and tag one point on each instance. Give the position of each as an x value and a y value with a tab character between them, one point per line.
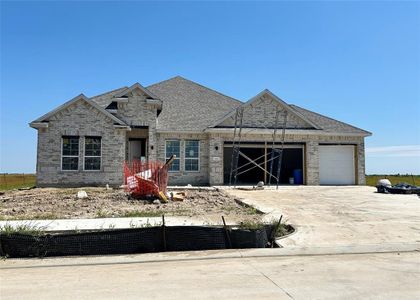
145	178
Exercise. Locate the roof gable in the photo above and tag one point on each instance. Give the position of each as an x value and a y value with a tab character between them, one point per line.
80	97
105	99
136	86
260	112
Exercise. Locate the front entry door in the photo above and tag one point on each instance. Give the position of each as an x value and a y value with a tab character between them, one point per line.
137	149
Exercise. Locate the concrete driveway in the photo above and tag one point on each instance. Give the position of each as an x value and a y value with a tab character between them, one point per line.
328	216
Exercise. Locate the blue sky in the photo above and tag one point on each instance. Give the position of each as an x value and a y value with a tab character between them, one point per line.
358	62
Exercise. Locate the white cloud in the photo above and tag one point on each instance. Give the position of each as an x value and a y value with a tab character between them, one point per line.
394	151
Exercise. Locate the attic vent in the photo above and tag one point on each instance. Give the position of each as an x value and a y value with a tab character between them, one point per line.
113	105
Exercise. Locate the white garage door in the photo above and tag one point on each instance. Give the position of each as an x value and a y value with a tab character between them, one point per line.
336	165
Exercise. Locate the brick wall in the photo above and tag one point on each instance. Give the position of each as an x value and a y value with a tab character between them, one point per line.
80	119
185	177
262	114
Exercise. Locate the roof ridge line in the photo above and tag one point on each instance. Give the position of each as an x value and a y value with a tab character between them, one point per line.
159	82
200	85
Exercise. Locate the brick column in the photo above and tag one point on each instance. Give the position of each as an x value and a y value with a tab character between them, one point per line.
360	152
312	163
152	140
215	161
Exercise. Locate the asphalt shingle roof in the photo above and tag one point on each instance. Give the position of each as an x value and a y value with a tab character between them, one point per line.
188	106
328	124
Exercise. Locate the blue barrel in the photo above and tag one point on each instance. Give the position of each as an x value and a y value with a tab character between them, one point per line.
298	176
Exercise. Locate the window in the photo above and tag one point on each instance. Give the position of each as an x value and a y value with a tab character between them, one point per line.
173	148
92	153
70	153
192	155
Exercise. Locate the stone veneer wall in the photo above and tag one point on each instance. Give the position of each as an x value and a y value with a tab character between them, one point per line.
311	143
183	177
80	119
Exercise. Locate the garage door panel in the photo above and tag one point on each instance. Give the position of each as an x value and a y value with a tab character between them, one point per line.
336	165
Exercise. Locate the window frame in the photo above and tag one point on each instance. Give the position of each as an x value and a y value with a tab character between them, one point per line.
192	158
90	156
72	156
177	158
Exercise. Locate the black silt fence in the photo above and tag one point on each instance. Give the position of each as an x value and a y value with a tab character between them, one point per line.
128	241
181	238
249	238
125	241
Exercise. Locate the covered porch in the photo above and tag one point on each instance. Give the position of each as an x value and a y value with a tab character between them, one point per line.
137	143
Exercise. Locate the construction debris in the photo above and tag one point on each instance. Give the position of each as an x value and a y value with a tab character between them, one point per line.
178	196
400	188
81	195
162	197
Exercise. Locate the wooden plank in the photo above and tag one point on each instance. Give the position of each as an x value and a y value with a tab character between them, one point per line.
265	162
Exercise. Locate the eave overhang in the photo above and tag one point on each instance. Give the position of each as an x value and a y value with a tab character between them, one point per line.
263	131
122	127
38	125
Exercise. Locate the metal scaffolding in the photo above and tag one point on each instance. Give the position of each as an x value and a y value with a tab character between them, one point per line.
276	154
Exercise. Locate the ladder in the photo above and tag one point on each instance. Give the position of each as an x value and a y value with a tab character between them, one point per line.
236	145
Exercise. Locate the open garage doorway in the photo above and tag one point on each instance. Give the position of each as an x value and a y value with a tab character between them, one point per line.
292	160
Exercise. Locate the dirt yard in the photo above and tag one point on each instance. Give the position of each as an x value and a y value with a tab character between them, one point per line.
62	203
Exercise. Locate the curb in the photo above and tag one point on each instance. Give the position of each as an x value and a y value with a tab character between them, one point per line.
207	255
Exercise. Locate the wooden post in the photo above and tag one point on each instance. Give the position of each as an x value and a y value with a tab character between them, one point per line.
273	234
163	233
265	162
227	232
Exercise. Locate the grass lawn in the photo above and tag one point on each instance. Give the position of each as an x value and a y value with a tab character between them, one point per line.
15	181
414	180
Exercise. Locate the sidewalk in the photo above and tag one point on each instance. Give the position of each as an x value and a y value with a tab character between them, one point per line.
101	223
